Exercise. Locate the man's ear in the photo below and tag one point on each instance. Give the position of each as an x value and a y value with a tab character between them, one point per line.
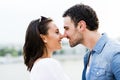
43	38
82	25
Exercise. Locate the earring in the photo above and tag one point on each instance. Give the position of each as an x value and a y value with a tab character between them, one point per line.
45	41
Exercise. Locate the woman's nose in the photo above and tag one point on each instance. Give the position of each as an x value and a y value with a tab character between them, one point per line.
61	36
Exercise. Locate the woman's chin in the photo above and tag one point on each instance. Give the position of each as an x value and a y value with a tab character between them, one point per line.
59	48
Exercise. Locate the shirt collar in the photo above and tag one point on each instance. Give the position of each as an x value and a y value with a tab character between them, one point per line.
100	43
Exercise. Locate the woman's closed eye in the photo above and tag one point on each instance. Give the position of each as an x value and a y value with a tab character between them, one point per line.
57	31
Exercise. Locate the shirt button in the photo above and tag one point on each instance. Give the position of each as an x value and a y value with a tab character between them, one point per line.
97	72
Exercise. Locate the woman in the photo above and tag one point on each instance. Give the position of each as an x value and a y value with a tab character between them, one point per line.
42	38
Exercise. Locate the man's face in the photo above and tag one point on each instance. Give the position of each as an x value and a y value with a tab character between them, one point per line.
71	32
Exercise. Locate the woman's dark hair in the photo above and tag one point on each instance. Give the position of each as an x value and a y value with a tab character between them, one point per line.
80	12
34	46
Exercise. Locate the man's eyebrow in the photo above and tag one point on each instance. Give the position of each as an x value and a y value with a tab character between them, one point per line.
65	27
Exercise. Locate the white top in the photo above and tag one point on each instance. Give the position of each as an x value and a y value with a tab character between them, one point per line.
88	67
48	69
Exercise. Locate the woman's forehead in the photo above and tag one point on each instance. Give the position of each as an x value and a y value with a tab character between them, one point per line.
52	26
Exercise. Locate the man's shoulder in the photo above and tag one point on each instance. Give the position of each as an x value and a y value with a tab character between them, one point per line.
113	44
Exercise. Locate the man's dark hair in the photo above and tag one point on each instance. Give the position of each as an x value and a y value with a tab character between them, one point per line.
80	12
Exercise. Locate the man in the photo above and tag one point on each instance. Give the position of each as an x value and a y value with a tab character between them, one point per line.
101	62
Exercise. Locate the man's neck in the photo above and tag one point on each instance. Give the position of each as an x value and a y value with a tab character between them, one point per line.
90	39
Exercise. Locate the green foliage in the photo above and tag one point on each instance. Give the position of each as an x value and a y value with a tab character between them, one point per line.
61	51
10	50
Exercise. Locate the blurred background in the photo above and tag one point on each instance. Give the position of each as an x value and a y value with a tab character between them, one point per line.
15	15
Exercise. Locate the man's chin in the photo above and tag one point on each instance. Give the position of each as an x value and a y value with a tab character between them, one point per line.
73	45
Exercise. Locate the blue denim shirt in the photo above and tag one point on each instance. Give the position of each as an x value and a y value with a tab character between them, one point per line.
105	63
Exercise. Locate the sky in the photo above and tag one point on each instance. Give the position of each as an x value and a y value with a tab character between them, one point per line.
15	15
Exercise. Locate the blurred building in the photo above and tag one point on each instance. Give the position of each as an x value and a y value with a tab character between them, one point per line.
67	50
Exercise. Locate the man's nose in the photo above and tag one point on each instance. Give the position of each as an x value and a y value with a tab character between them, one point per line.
64	35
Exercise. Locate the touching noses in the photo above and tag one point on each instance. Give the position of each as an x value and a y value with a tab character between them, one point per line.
63	35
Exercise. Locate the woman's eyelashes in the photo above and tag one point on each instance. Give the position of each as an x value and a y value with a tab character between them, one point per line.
57	31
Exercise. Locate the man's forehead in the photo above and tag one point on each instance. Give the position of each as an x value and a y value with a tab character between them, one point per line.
67	19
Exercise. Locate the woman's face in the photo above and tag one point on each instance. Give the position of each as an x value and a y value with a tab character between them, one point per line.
53	38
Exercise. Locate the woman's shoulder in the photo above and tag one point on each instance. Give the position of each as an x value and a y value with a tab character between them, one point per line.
49	68
48	62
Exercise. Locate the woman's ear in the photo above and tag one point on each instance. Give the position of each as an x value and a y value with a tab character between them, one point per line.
43	38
